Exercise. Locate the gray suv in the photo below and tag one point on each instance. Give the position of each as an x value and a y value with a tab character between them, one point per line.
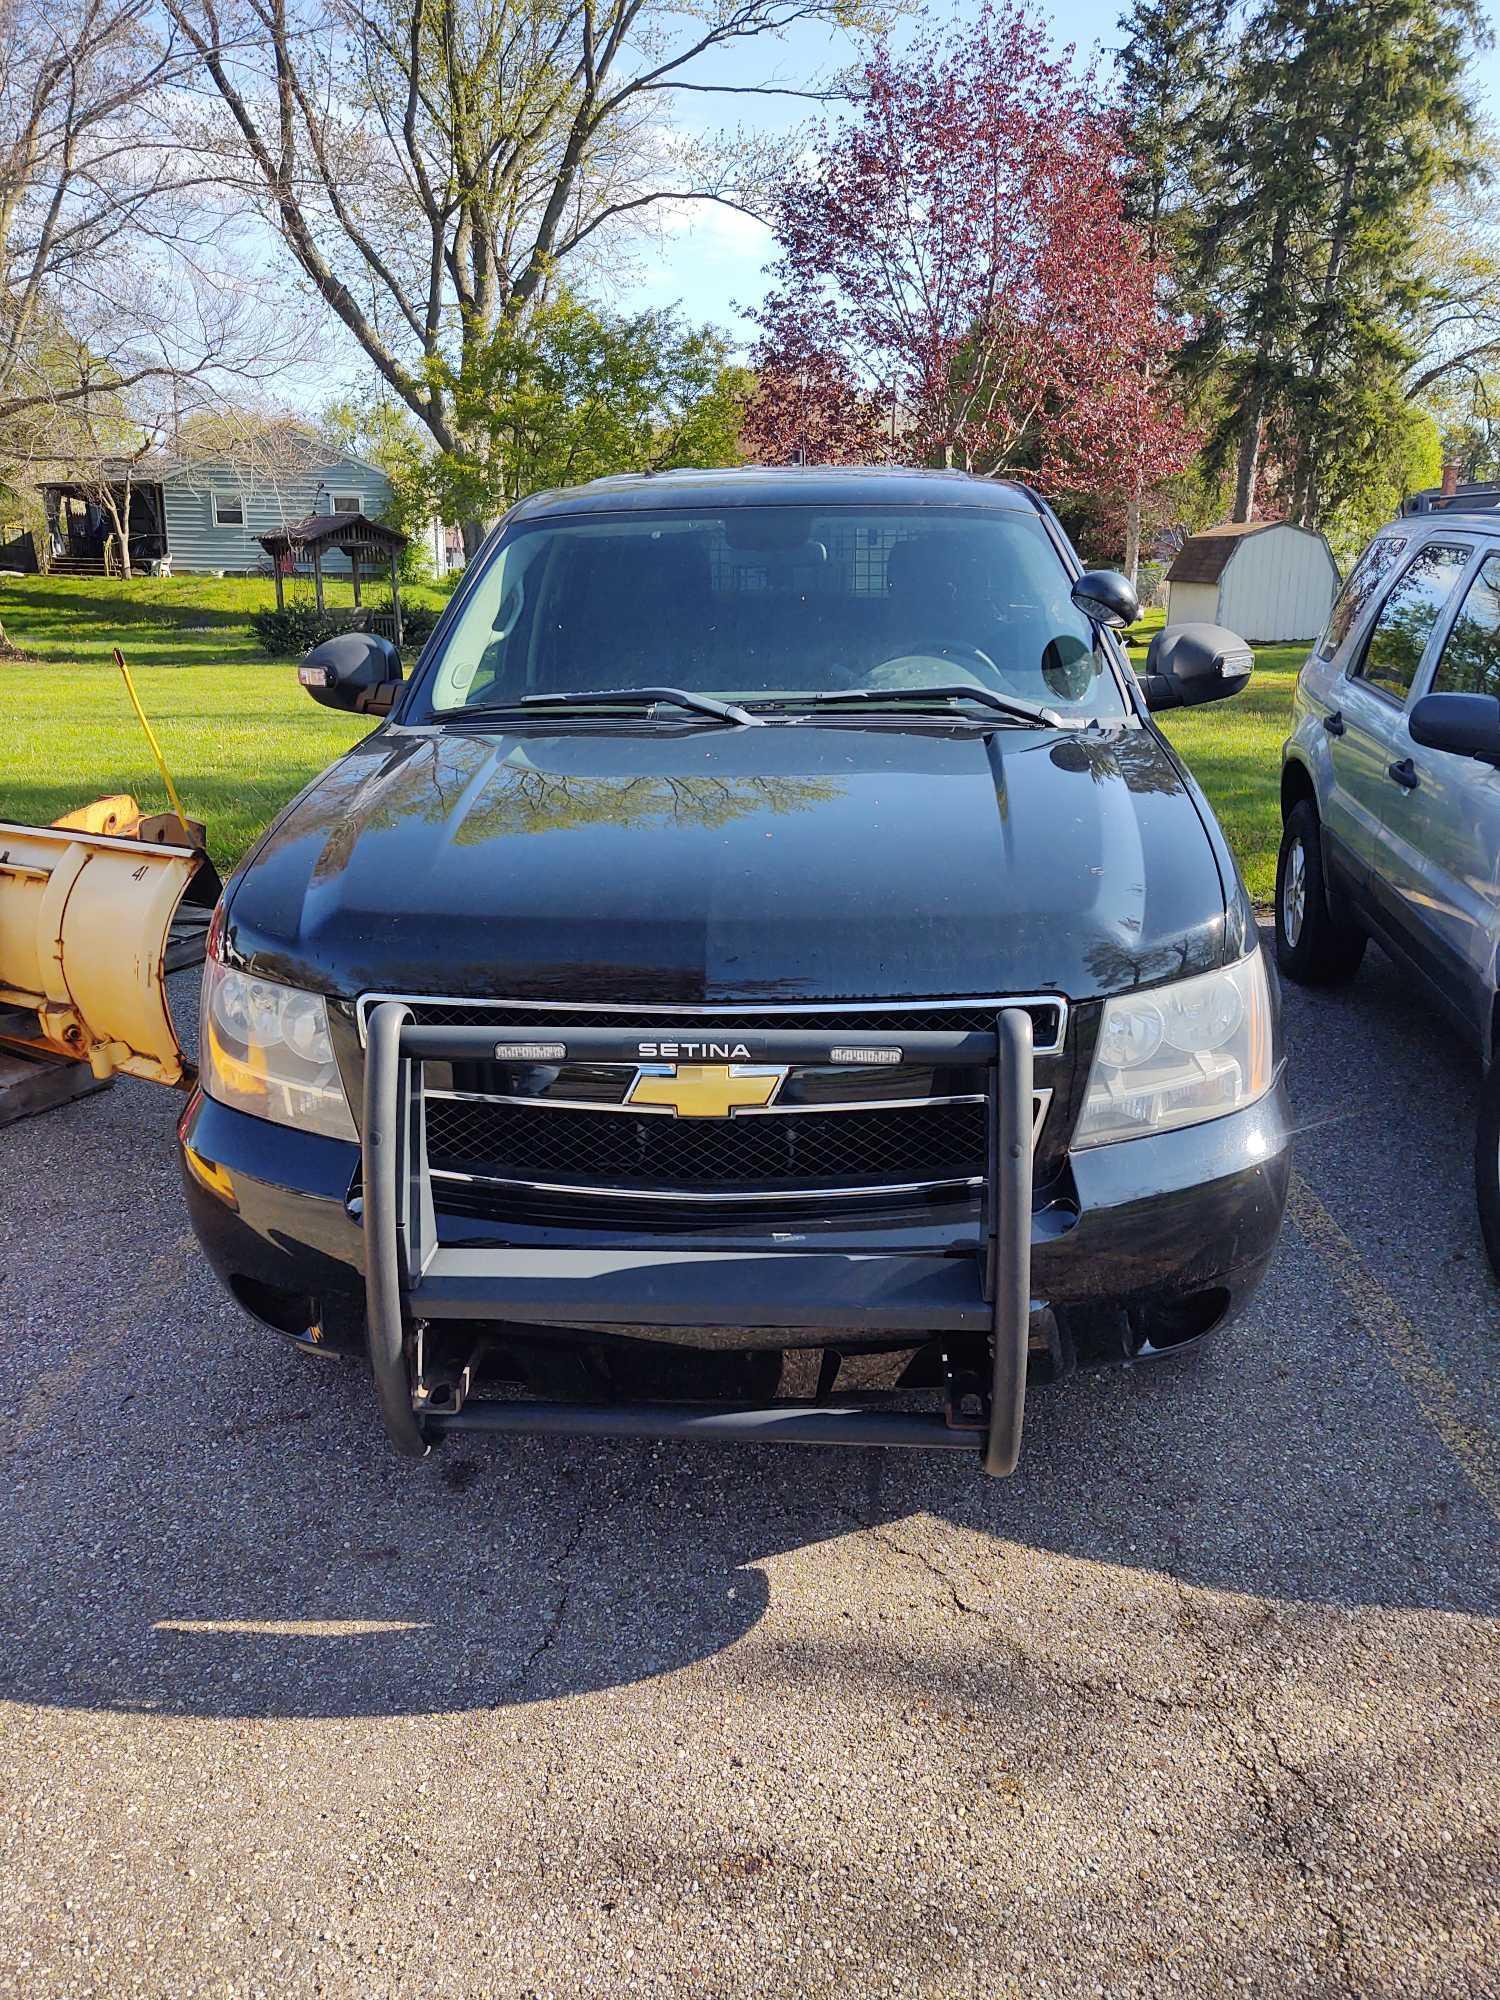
1390	789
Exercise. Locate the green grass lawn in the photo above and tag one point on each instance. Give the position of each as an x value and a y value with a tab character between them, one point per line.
1234	750
168	621
238	733
240	736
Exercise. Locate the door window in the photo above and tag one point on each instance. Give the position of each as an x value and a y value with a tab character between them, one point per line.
1400	634
1366	577
1470	663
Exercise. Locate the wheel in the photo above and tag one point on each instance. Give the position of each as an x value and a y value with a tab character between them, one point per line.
1487	1163
1313	946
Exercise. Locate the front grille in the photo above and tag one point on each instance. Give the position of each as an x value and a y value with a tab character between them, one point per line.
719	1156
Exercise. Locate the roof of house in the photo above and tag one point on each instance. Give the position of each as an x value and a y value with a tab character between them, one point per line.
163	465
67	472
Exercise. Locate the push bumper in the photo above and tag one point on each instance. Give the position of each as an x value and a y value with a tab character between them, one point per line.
411	1279
1148	1222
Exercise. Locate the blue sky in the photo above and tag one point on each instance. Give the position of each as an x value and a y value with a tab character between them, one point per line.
709	257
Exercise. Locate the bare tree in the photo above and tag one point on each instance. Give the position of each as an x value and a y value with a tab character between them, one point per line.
429	164
1453	323
121	291
268	453
82	174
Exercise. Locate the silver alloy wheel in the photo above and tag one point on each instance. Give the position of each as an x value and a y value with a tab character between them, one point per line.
1294	892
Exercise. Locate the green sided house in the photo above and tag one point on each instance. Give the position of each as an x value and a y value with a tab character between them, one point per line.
203	515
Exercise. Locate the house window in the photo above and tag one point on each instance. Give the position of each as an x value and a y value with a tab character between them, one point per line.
346	503
229	510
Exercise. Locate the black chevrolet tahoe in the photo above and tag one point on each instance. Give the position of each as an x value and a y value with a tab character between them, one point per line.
764	977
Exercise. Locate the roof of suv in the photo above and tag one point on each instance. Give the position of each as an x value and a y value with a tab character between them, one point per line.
760	486
1437	519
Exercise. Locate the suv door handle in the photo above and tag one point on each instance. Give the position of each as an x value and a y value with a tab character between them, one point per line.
1334	723
1405	774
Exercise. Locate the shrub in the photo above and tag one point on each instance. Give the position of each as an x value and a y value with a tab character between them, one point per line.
416	627
290	633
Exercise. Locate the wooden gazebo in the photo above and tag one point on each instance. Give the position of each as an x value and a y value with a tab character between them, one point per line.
362	540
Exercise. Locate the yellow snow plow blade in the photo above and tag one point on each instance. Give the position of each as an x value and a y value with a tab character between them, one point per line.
86	907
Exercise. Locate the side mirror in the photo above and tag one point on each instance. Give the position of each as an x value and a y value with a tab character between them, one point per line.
1466	724
1189	664
1107	598
353	670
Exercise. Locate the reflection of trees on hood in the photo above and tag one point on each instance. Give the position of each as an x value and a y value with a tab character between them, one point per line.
1130	755
422	782
529	801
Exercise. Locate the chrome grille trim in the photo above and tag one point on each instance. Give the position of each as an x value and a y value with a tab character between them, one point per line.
749	1198
740	1111
765	1013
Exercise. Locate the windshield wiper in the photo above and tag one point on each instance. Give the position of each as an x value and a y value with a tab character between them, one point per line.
586	698
932	697
695	704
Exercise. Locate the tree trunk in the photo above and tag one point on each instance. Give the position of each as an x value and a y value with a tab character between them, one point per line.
1306	498
1253	419
473	534
1133	536
122	534
1249	459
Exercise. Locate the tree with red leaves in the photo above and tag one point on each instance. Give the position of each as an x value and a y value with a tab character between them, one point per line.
1122	433
957	284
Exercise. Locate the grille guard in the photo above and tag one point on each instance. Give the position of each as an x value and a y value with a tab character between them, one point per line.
410	1278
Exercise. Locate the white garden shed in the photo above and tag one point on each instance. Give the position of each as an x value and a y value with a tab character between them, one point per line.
1266	580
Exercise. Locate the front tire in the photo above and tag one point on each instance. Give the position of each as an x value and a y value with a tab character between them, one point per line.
1487	1163
1313	946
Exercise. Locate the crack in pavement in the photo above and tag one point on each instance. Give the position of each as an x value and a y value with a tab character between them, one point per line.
1203	1699
1269	1801
558	1615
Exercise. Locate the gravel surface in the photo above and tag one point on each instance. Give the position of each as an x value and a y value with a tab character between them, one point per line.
1205	1700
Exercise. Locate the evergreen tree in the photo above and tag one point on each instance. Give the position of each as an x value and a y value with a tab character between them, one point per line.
1339	121
1257	190
1399	125
1165	69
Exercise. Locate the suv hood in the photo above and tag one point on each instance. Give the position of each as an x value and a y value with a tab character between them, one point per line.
687	865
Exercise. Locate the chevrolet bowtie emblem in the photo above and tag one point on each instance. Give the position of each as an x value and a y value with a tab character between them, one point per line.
706	1090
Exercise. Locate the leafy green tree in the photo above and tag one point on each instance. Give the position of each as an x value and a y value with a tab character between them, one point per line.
574	394
1392	448
1339	122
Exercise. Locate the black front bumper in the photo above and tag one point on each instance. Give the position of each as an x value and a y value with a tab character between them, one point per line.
1180	1223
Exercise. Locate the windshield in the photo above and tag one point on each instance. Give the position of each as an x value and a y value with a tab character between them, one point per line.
772	605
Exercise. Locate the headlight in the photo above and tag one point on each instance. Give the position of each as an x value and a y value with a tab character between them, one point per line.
1179	1054
265	1049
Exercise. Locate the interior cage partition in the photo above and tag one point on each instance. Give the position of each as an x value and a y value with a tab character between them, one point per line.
409	1277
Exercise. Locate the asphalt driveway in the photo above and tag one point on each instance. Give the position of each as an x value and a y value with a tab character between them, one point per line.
1206	1699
